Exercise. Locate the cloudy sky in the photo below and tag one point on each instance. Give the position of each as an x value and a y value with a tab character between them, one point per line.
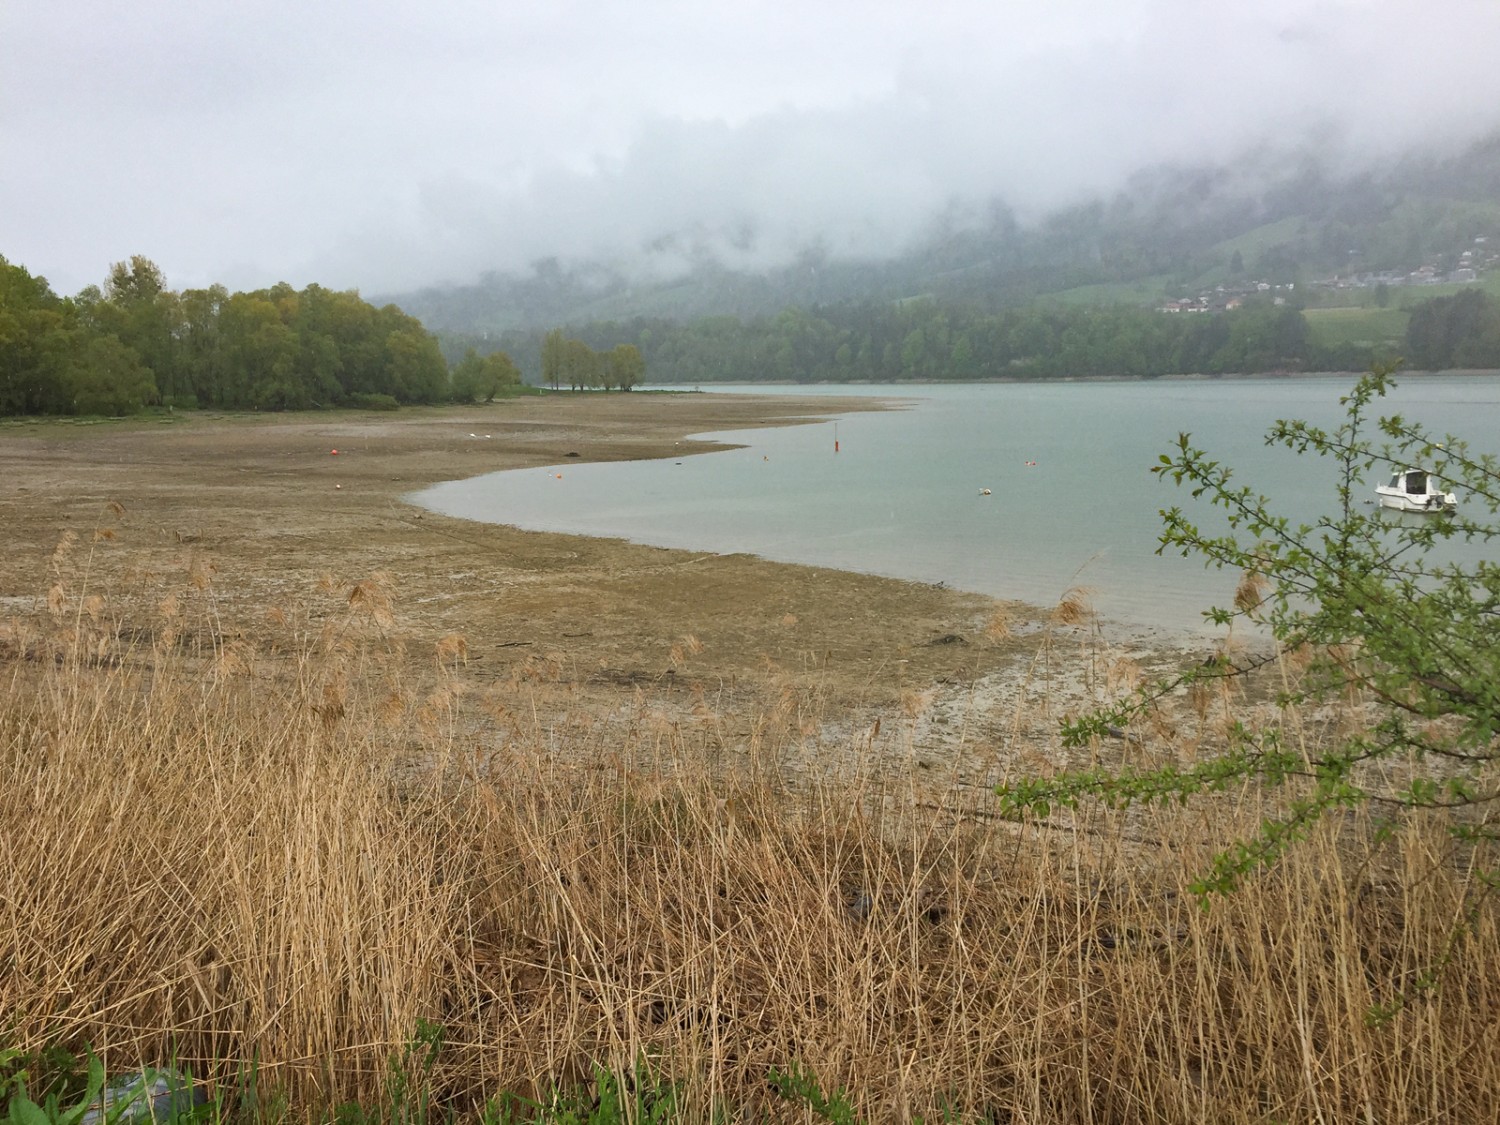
383	144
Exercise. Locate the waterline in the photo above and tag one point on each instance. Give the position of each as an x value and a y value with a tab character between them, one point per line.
1072	500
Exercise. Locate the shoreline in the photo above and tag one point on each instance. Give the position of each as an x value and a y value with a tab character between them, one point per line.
266	507
1201	377
643	806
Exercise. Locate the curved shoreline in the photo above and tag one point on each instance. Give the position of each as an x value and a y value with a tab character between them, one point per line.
268	503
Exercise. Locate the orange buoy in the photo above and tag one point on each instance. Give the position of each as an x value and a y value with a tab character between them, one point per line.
333	453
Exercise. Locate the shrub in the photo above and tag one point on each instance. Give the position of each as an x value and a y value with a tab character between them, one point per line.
1364	610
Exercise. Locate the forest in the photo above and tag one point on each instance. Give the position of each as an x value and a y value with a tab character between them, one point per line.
135	343
930	340
1458	331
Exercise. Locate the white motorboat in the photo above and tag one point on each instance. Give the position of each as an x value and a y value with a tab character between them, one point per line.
1415	490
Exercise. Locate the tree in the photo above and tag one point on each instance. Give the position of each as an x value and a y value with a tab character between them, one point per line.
202	342
464	379
1443	331
136	282
500	371
552	358
626	367
33	331
580	365
146	316
261	356
105	376
1360	600
479	378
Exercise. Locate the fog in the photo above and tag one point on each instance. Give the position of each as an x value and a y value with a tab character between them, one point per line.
382	145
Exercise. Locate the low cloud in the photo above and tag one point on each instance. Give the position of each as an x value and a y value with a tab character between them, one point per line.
384	148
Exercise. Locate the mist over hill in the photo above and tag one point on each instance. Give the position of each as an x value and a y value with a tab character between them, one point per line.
1277	217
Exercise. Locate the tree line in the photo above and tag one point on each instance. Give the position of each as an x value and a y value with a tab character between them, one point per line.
1458	331
931	340
926	339
572	361
135	342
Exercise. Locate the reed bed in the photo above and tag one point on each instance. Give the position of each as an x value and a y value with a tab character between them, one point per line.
291	854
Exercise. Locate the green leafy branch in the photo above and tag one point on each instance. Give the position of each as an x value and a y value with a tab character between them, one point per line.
1357	604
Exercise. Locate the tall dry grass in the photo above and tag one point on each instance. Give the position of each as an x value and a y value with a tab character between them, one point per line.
292	851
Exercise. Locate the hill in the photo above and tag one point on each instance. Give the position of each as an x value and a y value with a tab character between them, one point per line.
1172	234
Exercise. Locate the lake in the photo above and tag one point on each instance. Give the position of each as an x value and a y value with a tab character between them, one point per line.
1072	500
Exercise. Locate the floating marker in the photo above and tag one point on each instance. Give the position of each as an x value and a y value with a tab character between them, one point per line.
333	453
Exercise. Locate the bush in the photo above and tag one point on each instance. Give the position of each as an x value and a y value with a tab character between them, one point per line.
1357	604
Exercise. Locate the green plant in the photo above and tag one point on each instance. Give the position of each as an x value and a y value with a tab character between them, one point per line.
164	1096
799	1084
639	1098
407	1098
1361	609
24	1111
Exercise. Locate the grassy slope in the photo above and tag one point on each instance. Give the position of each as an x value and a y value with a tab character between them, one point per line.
1364	327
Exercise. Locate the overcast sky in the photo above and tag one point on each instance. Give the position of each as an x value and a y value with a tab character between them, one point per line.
384	144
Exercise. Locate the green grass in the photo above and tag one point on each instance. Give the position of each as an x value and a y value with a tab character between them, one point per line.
1409	295
1146	291
1256	242
66	1088
1362	327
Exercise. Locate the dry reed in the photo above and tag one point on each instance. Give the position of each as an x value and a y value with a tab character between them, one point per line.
293	851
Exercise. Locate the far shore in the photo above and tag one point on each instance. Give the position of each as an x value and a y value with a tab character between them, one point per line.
1200	376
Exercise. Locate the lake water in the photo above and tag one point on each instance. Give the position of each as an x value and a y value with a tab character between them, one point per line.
1072	499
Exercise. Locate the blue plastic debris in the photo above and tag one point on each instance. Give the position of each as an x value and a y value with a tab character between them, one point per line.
151	1095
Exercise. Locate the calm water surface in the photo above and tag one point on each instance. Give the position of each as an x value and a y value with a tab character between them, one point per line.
1072	500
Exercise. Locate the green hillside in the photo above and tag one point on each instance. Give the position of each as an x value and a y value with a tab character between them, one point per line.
1357	327
1174	234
